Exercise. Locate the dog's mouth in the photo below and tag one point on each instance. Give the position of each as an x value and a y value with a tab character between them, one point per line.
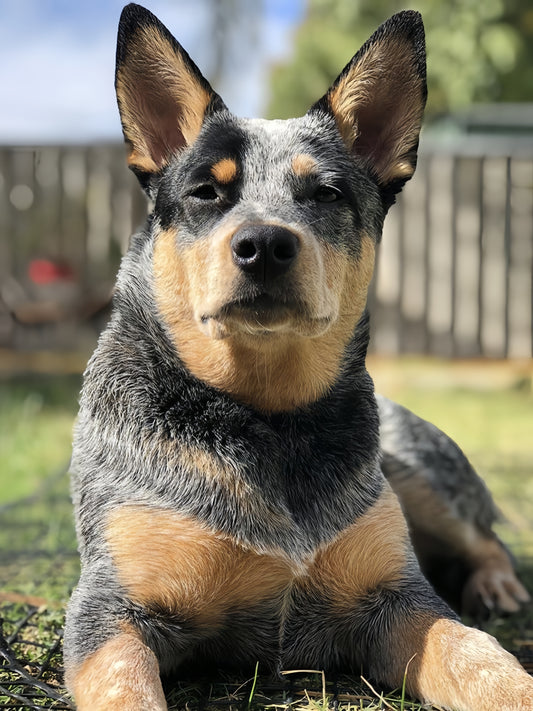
264	307
262	314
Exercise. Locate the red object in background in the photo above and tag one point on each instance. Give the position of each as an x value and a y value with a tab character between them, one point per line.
44	271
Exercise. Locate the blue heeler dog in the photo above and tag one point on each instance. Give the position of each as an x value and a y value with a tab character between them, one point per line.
234	503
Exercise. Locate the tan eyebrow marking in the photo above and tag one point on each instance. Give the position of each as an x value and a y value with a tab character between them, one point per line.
225	170
303	164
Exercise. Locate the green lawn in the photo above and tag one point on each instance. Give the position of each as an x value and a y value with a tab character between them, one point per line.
36	417
37	543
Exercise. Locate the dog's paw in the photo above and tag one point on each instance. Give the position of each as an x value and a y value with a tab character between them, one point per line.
493	587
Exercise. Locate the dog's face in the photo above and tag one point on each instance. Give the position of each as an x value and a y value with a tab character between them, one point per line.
270	227
264	231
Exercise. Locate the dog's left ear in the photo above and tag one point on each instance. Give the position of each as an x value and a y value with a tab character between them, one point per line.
378	100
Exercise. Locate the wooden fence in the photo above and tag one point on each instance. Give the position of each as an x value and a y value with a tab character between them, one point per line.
66	214
454	273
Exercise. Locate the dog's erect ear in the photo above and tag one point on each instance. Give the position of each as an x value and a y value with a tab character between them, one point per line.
162	96
378	100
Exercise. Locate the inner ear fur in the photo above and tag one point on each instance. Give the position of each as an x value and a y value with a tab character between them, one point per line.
378	100
162	96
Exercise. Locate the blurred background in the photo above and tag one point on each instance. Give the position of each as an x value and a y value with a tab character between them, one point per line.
452	300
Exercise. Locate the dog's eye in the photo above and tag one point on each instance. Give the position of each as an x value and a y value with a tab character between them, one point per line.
205	192
326	193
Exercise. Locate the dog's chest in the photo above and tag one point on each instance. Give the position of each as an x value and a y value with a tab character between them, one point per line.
173	564
173	561
289	483
237	517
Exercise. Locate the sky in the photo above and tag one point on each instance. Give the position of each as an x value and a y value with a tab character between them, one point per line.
57	61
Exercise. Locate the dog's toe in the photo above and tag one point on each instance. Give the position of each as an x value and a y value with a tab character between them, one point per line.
491	588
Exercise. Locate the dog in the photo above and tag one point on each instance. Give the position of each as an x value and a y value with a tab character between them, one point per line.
228	482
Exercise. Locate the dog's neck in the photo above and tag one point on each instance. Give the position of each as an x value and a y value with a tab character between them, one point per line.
275	372
278	377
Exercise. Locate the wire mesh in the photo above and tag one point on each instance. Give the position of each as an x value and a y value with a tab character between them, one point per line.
30	659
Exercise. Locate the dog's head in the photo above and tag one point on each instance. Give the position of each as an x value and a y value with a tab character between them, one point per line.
264	231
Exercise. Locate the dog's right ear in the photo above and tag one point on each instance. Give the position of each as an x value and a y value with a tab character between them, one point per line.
162	96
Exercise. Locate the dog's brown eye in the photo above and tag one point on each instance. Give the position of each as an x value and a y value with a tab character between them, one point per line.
325	193
205	192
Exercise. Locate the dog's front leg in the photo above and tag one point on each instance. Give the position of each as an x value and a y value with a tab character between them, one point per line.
403	628
366	606
466	669
444	663
123	675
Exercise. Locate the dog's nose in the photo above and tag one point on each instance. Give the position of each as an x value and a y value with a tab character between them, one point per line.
264	251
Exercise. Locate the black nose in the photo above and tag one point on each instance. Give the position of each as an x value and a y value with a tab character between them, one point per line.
264	251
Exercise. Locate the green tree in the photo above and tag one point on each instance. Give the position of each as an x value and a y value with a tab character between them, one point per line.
478	50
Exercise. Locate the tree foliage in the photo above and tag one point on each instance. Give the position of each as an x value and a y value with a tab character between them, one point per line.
478	51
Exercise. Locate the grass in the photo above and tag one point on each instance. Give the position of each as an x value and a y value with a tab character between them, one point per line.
302	690
36	416
493	423
307	691
38	558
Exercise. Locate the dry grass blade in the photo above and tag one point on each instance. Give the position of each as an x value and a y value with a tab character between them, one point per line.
312	671
378	696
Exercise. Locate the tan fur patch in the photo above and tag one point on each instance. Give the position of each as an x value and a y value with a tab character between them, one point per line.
382	89
462	668
428	512
123	674
280	372
141	160
303	164
195	459
162	104
225	171
168	560
369	554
